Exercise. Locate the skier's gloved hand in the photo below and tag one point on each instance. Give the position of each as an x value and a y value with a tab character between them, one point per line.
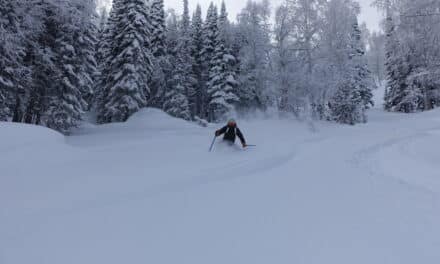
244	145
217	133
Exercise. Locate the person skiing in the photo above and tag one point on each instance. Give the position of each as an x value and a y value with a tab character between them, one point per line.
231	131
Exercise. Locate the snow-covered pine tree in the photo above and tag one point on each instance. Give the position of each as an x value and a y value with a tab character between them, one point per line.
75	65
197	67
130	62
41	58
397	70
65	103
224	26
210	33
185	60
11	52
158	38
85	41
103	16
353	95
362	78
176	102
185	17
222	80
346	104
104	48
159	51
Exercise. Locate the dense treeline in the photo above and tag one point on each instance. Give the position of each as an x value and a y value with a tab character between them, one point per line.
60	60
412	54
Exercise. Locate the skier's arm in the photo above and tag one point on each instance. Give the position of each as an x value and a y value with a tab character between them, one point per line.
221	131
241	137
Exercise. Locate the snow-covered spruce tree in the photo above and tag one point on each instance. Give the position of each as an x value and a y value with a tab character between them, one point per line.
74	58
176	102
362	77
103	16
66	105
412	55
185	60
159	51
397	70
353	95
224	27
11	53
41	59
85	41
346	104
197	65
222	80
158	38
129	64
210	32
103	55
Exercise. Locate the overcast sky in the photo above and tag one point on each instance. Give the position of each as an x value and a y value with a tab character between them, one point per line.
369	14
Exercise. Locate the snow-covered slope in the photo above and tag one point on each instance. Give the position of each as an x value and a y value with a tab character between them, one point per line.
148	191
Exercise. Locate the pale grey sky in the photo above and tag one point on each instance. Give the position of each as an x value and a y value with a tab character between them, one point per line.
368	14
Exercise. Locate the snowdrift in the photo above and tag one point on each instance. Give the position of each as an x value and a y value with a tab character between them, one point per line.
14	135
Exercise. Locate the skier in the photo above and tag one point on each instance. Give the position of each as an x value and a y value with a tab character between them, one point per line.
231	131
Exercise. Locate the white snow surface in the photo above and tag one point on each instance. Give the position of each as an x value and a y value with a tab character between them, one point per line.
148	191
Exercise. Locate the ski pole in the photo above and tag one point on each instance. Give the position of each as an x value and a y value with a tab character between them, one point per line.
212	144
251	145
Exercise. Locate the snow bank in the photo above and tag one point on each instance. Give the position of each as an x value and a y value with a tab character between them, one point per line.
15	135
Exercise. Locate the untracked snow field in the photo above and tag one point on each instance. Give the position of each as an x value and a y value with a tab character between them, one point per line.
148	191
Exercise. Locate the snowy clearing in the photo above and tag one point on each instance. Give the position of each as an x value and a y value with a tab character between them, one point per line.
148	191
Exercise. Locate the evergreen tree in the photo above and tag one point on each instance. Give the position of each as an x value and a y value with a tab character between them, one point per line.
185	60
103	16
210	35
346	104
197	66
11	52
129	65
85	41
65	103
75	66
158	39
41	59
224	26
353	96
222	80
159	51
397	70
362	78
176	102
185	18
103	55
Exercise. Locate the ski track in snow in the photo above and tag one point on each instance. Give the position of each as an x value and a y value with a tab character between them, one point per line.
366	158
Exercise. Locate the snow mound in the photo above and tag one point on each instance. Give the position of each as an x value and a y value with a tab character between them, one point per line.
152	118
147	119
15	135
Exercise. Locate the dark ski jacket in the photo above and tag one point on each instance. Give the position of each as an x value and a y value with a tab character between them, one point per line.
231	132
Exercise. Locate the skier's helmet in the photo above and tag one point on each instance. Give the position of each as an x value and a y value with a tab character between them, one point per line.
232	122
